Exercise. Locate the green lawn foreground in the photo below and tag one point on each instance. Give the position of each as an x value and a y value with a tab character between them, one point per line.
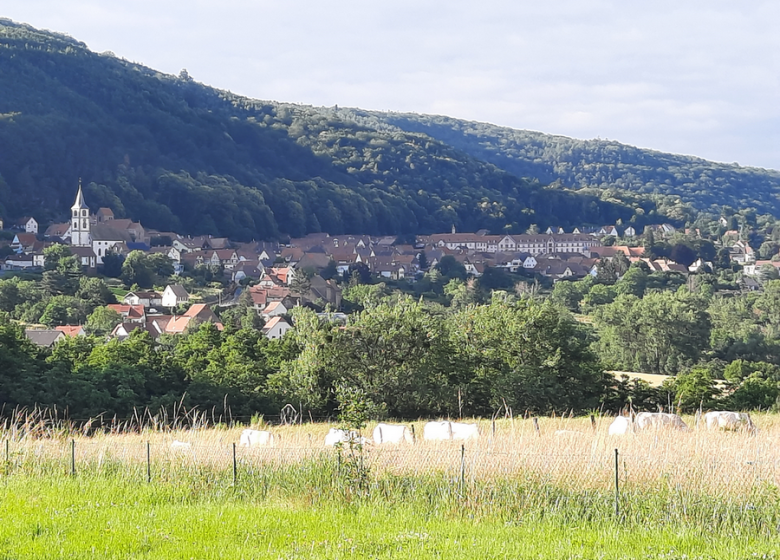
55	517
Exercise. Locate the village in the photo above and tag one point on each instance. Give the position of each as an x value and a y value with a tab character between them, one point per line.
279	276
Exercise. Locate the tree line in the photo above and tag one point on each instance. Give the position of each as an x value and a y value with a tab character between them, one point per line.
181	156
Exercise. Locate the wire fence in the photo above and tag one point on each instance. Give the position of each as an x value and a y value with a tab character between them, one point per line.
601	467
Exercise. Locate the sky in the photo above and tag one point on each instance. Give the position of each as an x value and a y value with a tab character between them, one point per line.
696	77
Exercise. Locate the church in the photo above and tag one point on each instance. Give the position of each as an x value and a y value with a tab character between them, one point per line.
93	236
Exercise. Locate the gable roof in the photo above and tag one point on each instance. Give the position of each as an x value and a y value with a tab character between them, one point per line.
129	311
178	290
44	337
71	330
273	322
109	231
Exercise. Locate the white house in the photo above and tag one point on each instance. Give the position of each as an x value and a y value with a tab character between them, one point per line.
28	224
147	299
174	295
275	328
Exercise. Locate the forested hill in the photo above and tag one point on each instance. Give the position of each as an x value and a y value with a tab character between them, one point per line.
599	164
179	155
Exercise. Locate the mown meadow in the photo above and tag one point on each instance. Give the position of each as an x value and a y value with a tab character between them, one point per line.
516	492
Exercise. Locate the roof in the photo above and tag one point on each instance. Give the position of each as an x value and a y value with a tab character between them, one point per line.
273	322
178	290
129	311
71	330
105	212
281	273
143	295
196	310
44	337
273	306
258	297
57	230
82	251
107	231
26	238
79	204
177	324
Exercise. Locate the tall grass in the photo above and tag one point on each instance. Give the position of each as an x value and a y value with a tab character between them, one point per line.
512	473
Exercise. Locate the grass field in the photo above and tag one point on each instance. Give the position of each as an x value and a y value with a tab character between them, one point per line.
520	494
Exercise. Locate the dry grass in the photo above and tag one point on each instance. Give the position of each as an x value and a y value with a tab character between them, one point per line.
581	457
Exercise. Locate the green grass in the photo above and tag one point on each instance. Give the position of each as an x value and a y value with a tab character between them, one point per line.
308	511
120	293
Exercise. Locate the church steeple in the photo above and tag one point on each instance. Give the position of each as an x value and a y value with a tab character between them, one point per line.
79	204
80	226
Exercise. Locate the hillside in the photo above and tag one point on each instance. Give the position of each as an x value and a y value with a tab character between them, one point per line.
592	164
179	155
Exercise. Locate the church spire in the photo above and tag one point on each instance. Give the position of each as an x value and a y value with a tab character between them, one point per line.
79	204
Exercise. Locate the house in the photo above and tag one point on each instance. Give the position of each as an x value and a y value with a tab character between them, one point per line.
86	257
129	313
104	215
474	269
742	253
276	328
58	230
246	269
175	295
72	330
324	290
274	309
123	330
105	238
203	314
18	262
699	264
147	299
23	242
189	245
45	338
27	225
630	231
754	269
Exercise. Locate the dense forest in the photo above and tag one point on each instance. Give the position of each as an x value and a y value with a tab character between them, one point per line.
593	164
182	156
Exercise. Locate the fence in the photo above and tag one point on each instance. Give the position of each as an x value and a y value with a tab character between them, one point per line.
599	468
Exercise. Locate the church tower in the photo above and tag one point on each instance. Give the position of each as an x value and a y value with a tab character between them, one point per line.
80	234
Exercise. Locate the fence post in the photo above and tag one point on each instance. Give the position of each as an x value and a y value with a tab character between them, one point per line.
462	467
617	484
235	465
593	423
73	457
414	436
148	462
536	425
8	456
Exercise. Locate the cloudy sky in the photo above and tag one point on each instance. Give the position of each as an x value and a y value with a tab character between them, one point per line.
699	77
